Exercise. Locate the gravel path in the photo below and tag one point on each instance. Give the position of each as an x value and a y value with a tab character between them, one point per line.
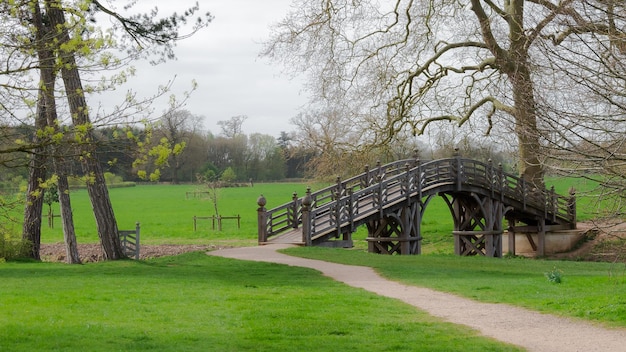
531	330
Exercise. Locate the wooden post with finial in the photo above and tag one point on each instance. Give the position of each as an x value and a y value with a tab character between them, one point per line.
262	219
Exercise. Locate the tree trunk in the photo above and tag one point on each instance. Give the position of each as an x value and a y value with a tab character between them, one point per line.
47	104
526	130
69	234
96	186
512	60
31	229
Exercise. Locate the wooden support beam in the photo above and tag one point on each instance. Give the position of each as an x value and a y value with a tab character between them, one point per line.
541	237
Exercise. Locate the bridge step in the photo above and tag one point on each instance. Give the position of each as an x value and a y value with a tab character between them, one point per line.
291	237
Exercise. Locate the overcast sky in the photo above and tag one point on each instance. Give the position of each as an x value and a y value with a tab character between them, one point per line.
223	59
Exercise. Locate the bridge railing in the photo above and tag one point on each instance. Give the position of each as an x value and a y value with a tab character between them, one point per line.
557	208
407	180
289	216
333	208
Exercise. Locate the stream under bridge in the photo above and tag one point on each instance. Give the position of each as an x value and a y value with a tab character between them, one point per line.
391	199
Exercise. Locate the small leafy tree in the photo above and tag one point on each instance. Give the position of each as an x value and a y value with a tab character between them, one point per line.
212	184
51	195
228	176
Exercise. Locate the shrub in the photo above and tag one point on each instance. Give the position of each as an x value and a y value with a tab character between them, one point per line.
228	175
12	246
111	179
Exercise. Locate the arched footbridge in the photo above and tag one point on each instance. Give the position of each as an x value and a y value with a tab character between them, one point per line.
391	199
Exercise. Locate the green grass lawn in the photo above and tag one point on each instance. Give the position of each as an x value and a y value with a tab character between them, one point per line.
166	213
195	302
591	291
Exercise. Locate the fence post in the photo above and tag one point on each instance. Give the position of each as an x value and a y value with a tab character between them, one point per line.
490	176
553	203
524	192
420	180
262	219
416	157
365	180
137	229
351	208
502	182
338	190
194	224
380	200
306	217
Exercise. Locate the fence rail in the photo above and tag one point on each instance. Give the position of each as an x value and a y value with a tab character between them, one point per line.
217	219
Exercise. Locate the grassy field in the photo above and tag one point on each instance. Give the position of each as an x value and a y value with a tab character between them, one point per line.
591	291
166	213
194	302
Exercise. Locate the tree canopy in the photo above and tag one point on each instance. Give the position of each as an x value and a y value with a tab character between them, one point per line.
512	65
46	40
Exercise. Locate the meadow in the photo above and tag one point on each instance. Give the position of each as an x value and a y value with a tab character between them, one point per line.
194	302
197	302
166	212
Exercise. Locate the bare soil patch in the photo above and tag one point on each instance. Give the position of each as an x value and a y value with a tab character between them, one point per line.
93	253
604	241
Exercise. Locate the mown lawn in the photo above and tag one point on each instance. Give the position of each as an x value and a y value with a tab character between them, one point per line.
195	302
166	212
591	291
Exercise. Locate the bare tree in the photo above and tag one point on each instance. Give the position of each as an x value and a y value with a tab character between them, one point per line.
330	134
409	63
233	127
179	127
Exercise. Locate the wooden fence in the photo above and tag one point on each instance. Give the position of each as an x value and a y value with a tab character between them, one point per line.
215	219
130	241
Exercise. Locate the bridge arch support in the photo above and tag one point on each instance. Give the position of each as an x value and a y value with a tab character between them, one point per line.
478	223
398	231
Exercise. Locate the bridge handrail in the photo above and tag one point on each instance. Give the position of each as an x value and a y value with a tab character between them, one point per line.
288	216
373	190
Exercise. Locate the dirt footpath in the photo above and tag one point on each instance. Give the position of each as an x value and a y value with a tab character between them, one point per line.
531	330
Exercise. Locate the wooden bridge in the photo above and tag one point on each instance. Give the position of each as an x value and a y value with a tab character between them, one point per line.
391	199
